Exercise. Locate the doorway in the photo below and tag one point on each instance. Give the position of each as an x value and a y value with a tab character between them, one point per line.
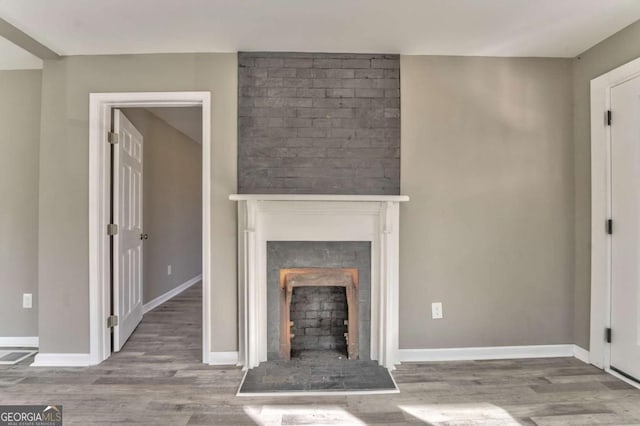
157	205
615	259
100	220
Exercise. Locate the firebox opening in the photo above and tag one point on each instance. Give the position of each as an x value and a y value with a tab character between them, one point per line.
321	311
319	322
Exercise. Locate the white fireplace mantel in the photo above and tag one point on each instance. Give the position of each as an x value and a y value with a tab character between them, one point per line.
289	217
320	197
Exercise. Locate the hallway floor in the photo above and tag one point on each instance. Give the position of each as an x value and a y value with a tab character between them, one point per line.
158	380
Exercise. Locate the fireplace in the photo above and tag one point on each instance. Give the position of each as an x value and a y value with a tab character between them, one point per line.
323	317
266	221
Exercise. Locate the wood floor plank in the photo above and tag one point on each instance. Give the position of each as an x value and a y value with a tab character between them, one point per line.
158	379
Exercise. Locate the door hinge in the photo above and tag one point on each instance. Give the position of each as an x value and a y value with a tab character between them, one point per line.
112	321
607	335
112	138
610	226
112	229
608	117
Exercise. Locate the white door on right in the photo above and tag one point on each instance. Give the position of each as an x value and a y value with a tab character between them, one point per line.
625	203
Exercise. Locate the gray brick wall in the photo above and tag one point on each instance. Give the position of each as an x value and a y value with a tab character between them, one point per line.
318	123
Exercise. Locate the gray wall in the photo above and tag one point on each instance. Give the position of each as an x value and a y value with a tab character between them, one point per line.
64	177
487	158
493	152
19	151
618	49
172	208
319	123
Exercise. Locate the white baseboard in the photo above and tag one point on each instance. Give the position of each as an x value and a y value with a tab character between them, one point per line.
19	342
62	360
581	354
492	352
223	358
170	294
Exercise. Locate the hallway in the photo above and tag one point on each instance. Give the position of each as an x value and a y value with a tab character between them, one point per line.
170	333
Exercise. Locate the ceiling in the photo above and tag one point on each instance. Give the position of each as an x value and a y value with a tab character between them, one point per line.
187	120
554	28
13	57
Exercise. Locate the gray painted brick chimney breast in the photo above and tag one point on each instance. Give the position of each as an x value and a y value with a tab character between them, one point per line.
318	123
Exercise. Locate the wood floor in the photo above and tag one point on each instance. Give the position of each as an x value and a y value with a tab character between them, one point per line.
158	380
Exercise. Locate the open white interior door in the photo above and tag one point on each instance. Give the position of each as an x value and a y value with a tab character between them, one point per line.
625	242
127	243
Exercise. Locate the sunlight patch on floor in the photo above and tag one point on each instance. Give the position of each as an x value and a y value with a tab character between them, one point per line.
475	413
295	414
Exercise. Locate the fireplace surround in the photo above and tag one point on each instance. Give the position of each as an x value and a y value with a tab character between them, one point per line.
312	304
264	218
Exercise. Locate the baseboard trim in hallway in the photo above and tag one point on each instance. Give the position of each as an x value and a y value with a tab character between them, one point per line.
19	342
493	352
170	294
62	360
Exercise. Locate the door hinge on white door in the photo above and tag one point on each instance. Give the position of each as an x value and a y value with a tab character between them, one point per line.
607	335
609	118
112	229
610	226
112	138
112	321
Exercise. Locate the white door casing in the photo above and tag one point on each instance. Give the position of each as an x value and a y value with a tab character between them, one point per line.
100	120
625	240
601	211
127	247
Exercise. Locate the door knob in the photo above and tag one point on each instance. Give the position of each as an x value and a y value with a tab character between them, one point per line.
144	236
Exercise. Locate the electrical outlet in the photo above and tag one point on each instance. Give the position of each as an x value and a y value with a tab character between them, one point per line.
436	310
27	300
168	269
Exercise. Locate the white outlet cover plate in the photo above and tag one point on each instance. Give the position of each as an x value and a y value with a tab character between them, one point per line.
436	310
27	300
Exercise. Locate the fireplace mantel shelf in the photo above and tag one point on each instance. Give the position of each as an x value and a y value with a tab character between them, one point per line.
320	197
